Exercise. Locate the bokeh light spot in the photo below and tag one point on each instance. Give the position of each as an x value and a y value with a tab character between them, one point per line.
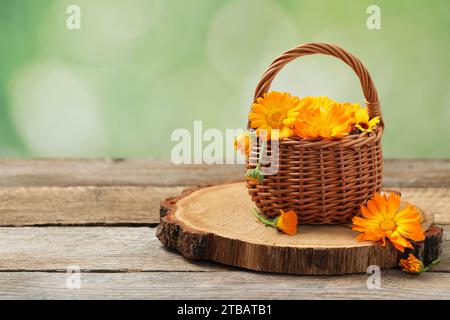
55	112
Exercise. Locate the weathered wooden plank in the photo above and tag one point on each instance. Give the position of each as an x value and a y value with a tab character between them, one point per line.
145	172
435	200
28	206
110	172
424	173
446	234
21	206
92	249
444	264
221	285
106	249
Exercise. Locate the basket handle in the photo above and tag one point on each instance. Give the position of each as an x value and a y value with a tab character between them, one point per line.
368	88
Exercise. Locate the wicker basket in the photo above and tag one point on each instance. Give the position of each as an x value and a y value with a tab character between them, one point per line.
325	181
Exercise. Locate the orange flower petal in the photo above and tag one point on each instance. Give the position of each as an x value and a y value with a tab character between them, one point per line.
287	222
368	236
366	213
399	242
381	203
393	204
361	224
321	117
372	206
408	223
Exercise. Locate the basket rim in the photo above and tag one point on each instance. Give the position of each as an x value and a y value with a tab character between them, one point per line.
352	140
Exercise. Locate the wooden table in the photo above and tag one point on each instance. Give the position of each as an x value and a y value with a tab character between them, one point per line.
100	215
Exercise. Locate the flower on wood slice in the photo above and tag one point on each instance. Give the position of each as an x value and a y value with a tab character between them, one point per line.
383	218
286	222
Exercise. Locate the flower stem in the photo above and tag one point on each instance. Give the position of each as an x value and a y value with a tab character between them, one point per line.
432	264
264	220
261	152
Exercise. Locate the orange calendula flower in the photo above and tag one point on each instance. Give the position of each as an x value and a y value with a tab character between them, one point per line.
275	110
243	142
411	264
316	102
415	266
322	117
362	122
286	222
384	218
351	109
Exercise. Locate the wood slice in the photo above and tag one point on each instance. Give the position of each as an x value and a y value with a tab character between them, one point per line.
216	223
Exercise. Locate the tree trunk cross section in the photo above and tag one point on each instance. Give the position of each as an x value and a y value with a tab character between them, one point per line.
216	223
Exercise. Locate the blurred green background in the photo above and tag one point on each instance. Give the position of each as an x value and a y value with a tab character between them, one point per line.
138	69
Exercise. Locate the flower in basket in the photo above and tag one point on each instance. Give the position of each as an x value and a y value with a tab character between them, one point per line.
286	222
310	117
351	108
415	266
322	117
243	142
362	122
383	218
275	110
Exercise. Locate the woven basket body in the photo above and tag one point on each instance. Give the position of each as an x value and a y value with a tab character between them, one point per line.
325	181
